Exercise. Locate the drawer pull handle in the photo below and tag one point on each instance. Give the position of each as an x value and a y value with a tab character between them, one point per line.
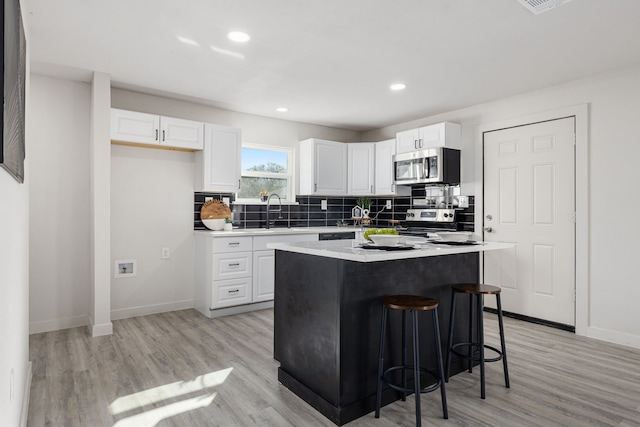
235	264
234	243
234	291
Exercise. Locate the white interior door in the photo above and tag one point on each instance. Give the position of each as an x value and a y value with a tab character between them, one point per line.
529	200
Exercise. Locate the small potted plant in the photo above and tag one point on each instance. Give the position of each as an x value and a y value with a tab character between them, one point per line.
228	226
264	194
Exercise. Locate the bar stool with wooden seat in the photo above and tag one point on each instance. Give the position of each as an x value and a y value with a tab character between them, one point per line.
412	304
476	350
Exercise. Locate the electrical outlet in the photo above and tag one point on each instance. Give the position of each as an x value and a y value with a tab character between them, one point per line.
388	205
226	201
463	201
323	205
165	253
208	199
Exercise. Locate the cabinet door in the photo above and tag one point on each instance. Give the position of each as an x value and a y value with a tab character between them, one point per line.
407	141
181	133
360	168
263	275
131	126
384	167
330	165
444	134
218	164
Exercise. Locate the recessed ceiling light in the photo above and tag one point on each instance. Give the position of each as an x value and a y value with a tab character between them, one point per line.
238	36
398	86
282	109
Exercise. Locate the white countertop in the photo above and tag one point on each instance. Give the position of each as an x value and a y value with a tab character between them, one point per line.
350	250
275	231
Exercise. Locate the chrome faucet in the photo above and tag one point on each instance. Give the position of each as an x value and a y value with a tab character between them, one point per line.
269	210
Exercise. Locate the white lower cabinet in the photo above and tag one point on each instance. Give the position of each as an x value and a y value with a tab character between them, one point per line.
237	274
264	269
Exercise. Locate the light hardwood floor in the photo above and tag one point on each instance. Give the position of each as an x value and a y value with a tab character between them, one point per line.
182	369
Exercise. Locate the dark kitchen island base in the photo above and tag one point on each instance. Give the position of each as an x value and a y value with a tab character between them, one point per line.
327	314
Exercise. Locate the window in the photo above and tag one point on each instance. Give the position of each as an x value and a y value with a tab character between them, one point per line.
266	169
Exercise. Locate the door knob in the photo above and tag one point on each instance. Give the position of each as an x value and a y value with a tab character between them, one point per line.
488	229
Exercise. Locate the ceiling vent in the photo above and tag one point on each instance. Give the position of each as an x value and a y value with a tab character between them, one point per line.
538	6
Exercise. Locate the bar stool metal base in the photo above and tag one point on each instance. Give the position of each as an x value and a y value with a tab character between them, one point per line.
476	349
411	304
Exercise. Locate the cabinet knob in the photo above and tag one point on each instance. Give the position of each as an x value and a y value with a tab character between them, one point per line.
156	134
163	138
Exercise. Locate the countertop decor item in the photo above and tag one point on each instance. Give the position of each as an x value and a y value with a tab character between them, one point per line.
264	195
213	214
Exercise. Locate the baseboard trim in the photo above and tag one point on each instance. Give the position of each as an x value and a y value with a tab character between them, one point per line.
530	319
24	414
58	324
143	310
100	330
614	337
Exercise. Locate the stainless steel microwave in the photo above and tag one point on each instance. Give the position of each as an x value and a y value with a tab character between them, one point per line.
433	165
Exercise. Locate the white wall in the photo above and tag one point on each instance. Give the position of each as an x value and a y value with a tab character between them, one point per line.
59	199
14	295
151	208
614	149
15	369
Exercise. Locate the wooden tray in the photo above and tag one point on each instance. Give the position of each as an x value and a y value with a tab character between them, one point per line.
215	209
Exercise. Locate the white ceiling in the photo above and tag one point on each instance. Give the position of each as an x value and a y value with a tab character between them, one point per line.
331	61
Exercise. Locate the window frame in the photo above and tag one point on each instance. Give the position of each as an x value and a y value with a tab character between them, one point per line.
289	197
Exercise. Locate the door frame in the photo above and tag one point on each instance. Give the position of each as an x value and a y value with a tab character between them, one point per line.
581	114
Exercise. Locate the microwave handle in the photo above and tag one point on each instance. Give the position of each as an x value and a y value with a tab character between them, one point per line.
425	168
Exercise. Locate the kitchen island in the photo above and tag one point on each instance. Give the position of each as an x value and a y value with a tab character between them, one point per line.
327	315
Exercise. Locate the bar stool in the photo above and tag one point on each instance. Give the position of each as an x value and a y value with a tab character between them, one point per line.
412	304
477	291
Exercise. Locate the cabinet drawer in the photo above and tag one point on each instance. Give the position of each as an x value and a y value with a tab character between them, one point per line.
231	265
232	244
231	292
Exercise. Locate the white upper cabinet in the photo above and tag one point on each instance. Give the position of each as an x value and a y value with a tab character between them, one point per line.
384	170
360	169
218	165
444	134
181	133
323	167
160	131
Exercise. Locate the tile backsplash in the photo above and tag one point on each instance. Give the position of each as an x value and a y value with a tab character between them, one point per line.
309	213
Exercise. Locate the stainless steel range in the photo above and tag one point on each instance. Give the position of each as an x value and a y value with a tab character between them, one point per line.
421	222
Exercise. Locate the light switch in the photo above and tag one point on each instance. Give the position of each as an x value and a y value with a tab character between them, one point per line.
323	205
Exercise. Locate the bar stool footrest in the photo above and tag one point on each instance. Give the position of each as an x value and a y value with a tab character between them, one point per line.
427	389
475	358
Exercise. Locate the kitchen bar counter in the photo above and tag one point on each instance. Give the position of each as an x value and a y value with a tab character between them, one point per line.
352	250
327	313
